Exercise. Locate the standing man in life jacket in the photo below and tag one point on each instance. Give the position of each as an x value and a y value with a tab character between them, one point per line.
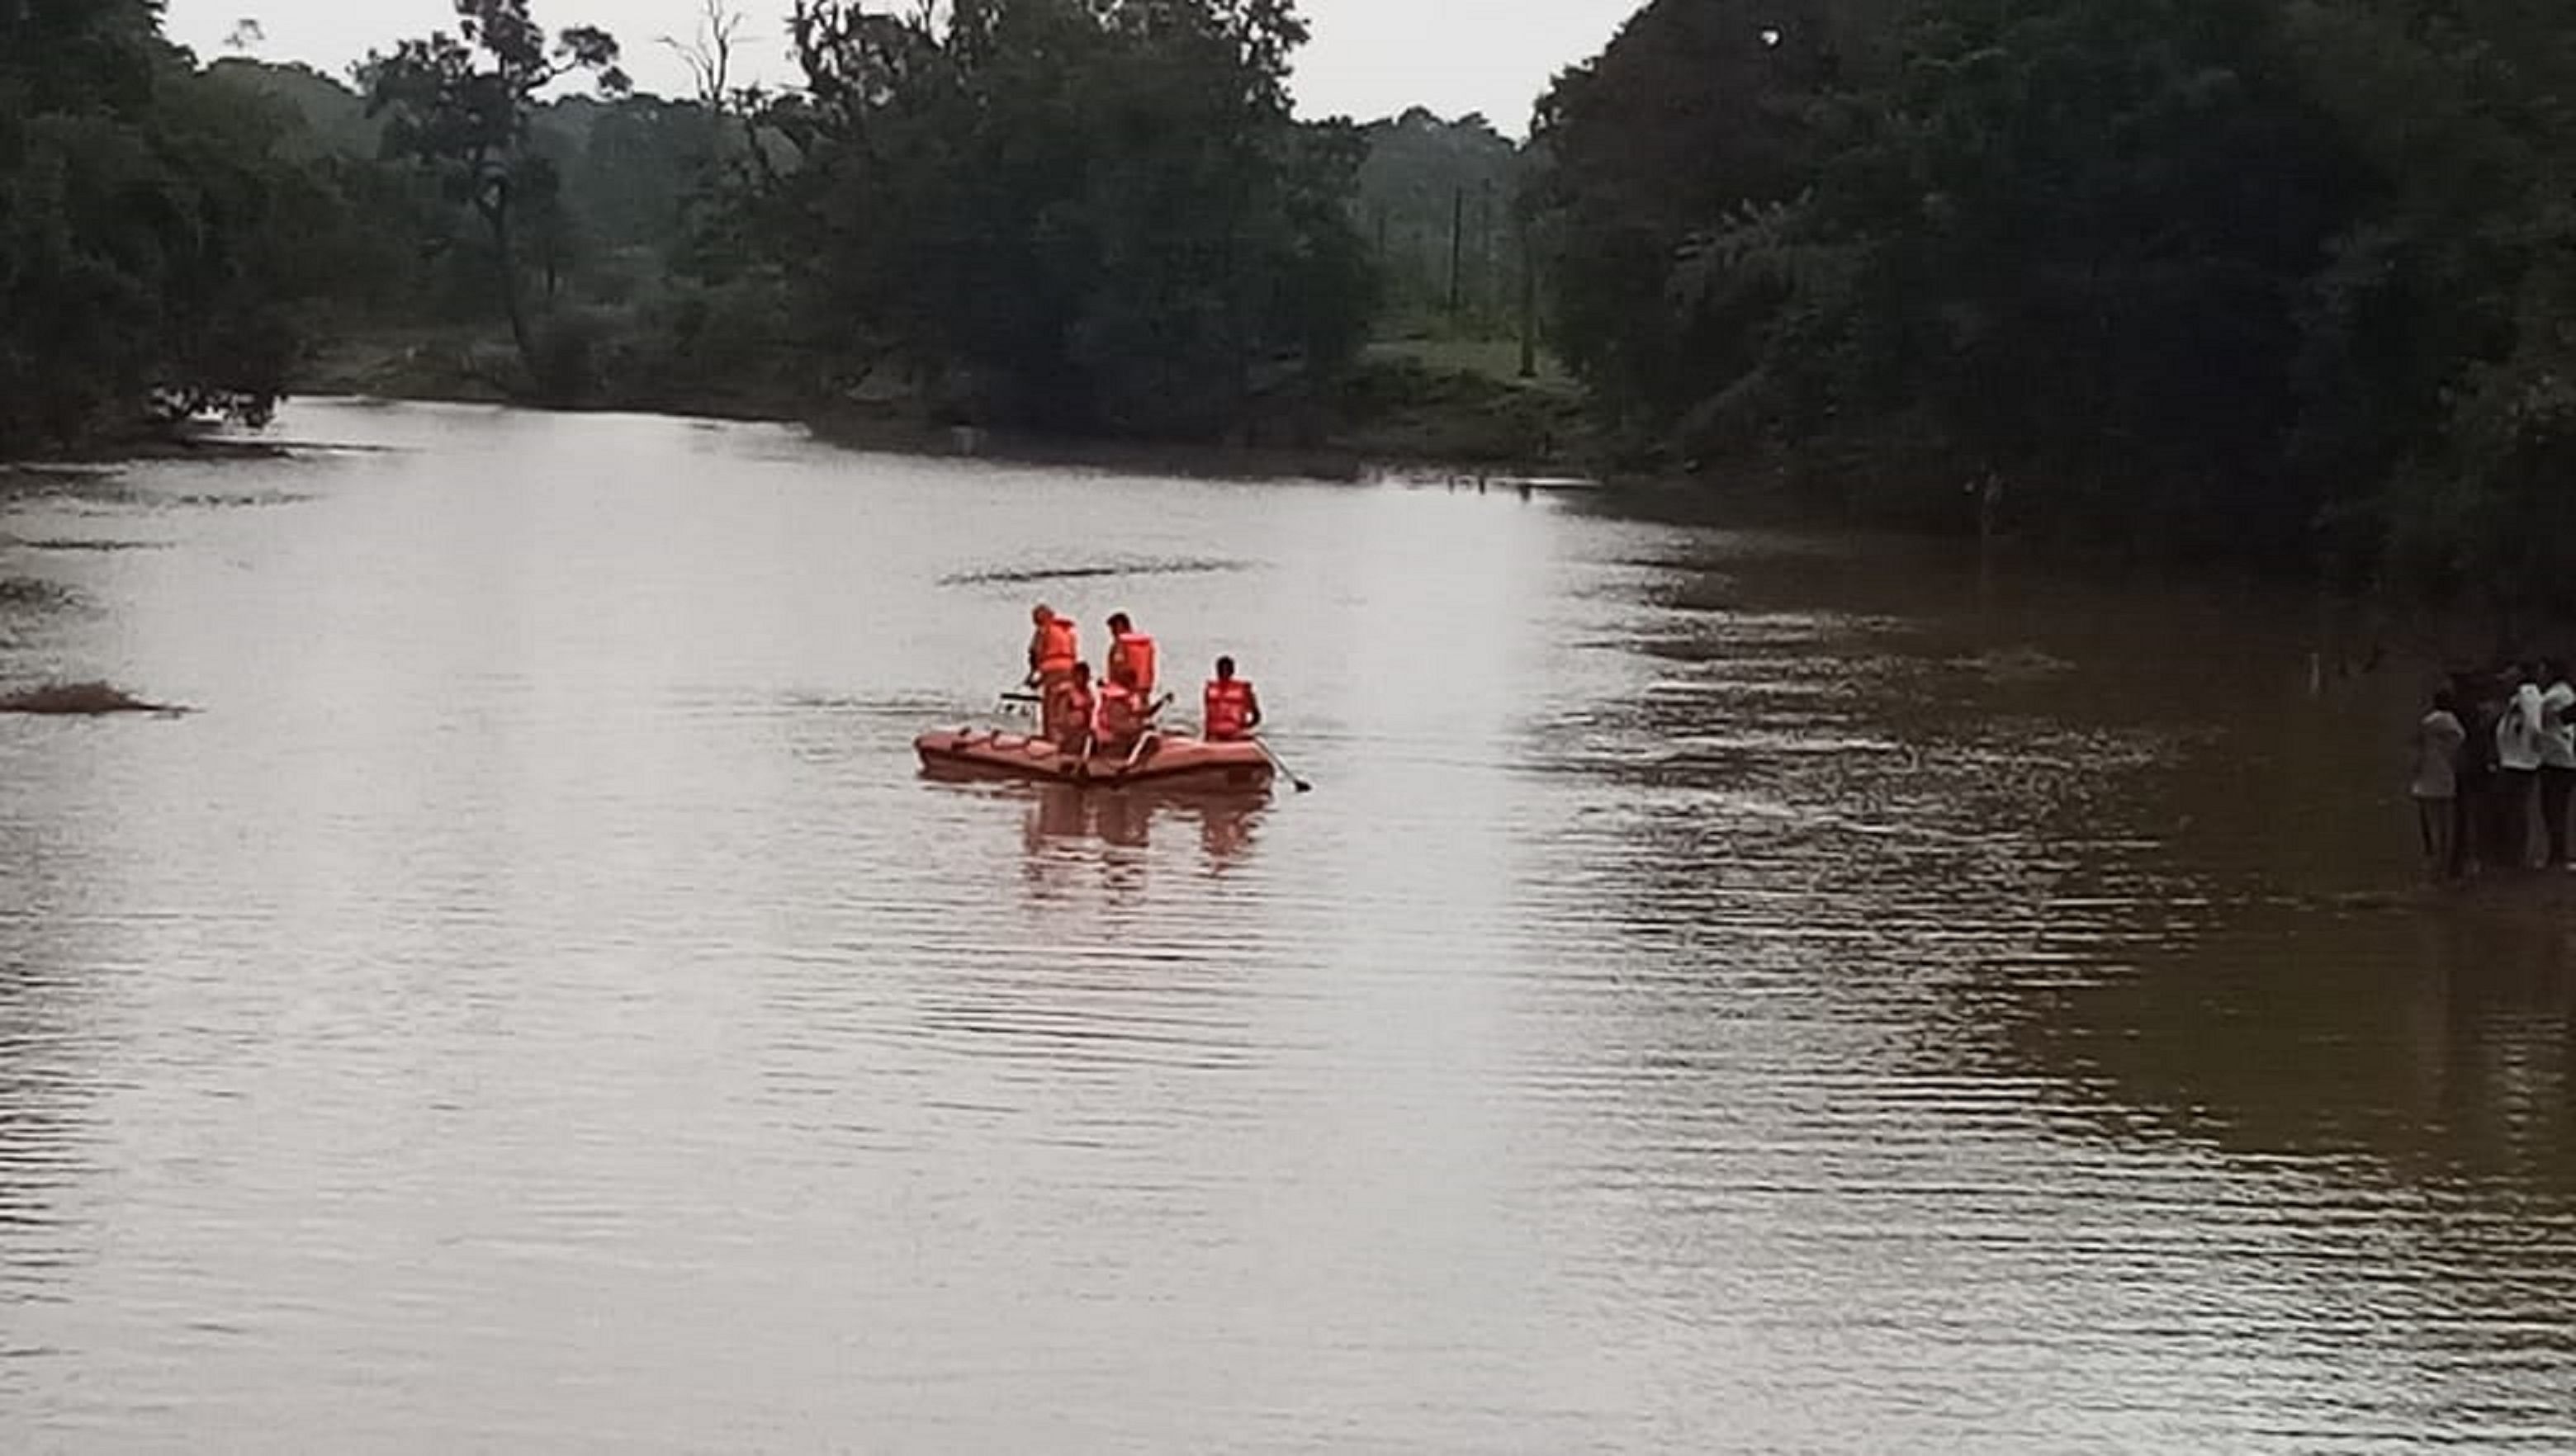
1054	648
1131	658
1231	709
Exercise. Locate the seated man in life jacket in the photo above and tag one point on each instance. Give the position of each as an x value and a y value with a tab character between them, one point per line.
1230	708
1071	710
1123	721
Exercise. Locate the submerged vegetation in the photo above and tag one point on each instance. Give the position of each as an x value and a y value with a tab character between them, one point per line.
2279	281
80	700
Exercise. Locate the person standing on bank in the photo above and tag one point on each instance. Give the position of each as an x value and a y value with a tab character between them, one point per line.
2435	789
2557	757
2518	760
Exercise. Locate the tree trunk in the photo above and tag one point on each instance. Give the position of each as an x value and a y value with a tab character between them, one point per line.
1457	249
496	215
1529	305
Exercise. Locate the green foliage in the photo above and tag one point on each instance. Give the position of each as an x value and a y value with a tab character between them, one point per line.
630	167
1438	202
2288	280
464	105
607	189
151	228
1083	215
334	118
2283	279
2440	334
1685	123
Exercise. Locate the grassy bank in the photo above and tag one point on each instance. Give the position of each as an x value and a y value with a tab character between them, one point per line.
1408	403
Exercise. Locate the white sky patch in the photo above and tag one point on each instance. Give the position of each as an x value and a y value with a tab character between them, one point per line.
1369	58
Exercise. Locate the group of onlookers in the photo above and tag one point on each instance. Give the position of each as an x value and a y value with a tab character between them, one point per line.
2495	765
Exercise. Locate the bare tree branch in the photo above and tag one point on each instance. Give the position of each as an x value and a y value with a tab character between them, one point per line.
709	53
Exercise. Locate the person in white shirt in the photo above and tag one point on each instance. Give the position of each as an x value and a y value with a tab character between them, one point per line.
2518	760
2557	757
2435	787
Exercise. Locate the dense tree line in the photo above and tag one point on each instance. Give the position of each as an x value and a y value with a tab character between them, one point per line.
2284	280
2281	279
153	236
1439	202
604	197
1088	215
1077	215
172	236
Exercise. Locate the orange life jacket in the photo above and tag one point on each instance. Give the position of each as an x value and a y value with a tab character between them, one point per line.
1228	712
1131	663
1056	648
1068	714
1122	715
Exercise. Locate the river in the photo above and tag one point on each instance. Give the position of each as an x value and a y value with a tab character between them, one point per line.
1729	990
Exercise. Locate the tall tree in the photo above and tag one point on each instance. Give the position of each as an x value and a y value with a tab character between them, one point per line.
709	53
464	104
2064	240
148	227
1090	214
2440	416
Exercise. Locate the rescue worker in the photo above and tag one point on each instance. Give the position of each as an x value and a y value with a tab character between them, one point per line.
1053	649
1231	709
1071	707
1131	658
1122	720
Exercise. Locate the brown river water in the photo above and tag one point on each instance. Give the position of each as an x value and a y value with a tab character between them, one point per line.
1729	990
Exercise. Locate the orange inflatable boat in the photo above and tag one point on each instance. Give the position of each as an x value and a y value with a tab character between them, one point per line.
1174	763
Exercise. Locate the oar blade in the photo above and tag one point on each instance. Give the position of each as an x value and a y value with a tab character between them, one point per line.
1281	764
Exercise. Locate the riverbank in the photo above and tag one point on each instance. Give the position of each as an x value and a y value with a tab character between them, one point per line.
1421	409
1405	404
184	440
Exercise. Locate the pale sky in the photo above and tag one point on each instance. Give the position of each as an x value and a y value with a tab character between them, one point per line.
1369	58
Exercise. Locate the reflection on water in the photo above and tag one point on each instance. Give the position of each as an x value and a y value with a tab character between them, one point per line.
1075	836
1732	990
1062	818
2448	1060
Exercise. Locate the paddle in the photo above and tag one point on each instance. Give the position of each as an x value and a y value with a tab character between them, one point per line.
1145	741
1281	764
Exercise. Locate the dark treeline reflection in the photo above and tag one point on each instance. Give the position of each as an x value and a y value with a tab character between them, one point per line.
2443	1050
